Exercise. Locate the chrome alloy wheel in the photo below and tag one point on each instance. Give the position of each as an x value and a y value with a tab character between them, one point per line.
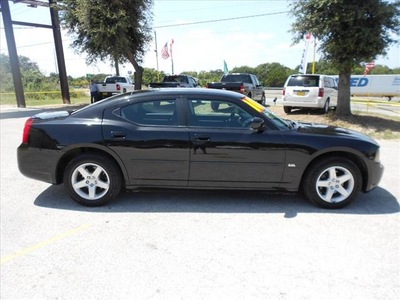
90	181
335	184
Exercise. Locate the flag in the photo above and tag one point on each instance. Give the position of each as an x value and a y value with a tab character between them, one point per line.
164	51
170	46
303	64
368	67
225	68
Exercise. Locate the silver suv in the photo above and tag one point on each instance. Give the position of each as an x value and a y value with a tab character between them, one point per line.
310	91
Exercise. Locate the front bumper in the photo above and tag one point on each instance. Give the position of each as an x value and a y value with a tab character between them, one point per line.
375	175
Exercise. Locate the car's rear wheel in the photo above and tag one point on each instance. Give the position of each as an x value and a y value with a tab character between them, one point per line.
92	180
332	183
325	110
287	109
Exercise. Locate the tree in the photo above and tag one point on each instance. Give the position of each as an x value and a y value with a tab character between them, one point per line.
272	74
32	77
348	33
152	75
117	30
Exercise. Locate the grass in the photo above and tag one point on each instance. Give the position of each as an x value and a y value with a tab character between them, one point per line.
378	126
33	99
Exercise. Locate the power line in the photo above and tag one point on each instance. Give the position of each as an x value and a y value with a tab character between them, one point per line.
221	20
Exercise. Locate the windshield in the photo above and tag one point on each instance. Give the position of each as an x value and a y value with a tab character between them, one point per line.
280	123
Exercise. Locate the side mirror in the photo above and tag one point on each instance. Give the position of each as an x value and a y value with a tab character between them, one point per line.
257	123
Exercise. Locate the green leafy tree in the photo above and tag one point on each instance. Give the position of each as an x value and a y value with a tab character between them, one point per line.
348	32
243	69
380	69
32	77
118	30
6	80
272	74
152	75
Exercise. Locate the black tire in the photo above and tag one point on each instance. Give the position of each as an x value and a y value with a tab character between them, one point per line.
124	91
262	100
332	183
287	109
103	180
325	110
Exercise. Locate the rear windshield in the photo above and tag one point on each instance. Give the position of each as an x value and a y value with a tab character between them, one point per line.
312	81
236	78
177	78
115	79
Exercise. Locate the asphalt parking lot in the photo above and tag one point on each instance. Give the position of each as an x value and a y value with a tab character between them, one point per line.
194	244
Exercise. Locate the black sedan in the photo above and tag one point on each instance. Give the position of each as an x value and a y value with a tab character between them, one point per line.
194	138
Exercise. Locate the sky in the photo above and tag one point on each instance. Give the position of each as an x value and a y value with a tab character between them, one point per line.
205	34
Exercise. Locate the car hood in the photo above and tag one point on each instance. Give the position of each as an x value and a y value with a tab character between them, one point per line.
327	130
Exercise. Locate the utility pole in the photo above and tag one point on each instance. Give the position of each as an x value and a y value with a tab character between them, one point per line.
12	51
55	23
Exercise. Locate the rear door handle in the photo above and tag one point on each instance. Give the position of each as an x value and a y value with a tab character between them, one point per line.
202	138
118	134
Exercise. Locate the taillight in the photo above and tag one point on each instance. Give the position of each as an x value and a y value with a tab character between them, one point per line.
242	89
283	92
118	87
321	92
27	130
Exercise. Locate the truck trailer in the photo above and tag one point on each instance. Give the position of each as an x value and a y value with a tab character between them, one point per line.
374	85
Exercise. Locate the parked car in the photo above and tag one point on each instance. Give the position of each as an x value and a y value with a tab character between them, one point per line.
173	138
114	85
244	83
181	80
310	91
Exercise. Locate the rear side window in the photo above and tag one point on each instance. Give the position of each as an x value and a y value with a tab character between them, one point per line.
155	112
306	81
329	82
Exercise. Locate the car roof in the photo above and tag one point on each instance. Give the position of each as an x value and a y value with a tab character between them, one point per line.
188	91
95	108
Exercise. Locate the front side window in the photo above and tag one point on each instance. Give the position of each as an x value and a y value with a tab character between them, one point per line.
154	112
217	113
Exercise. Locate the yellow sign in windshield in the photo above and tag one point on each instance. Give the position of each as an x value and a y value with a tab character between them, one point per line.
255	105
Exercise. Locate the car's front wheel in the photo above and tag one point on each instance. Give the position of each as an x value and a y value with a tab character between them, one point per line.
262	102
332	183
92	179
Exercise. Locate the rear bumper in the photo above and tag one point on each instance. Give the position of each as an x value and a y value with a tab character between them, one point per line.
318	103
31	163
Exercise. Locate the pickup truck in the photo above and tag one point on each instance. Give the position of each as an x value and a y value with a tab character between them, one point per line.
114	85
243	83
175	81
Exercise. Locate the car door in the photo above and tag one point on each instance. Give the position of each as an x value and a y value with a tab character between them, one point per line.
226	152
151	141
257	89
331	88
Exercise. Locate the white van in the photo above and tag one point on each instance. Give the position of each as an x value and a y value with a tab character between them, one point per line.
310	91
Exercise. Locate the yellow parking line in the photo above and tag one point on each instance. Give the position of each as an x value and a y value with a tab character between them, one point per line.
45	243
